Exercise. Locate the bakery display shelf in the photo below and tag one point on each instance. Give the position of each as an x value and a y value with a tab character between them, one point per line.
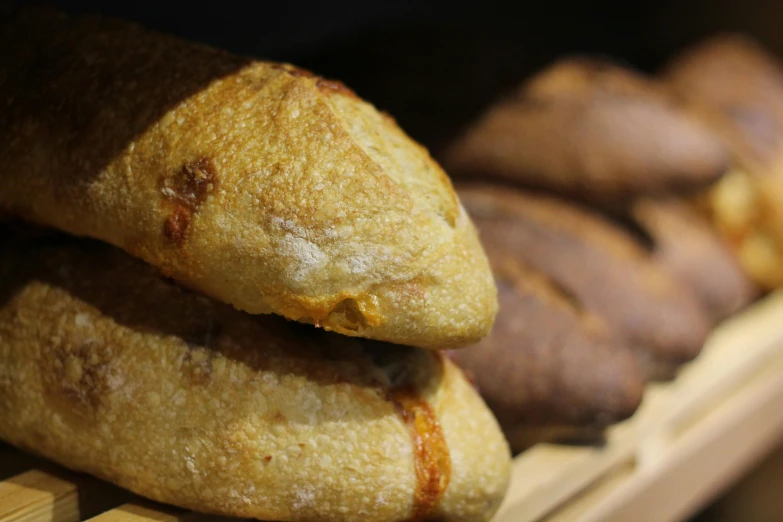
691	438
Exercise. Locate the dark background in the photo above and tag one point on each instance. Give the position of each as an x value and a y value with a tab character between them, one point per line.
435	64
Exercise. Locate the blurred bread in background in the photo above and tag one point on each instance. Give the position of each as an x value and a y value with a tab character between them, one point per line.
682	242
595	132
736	88
591	130
602	267
550	370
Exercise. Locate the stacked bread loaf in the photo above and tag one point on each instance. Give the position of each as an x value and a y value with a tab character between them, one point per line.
583	176
191	190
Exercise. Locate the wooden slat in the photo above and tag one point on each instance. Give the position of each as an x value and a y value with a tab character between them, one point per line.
595	493
48	492
547	476
141	512
36	496
700	463
724	415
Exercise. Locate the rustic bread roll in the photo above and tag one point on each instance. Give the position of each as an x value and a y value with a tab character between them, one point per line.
592	130
258	184
550	370
109	369
602	266
683	242
736	87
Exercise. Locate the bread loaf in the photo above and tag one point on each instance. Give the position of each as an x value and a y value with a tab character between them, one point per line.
258	184
684	244
109	369
593	131
550	370
736	88
603	267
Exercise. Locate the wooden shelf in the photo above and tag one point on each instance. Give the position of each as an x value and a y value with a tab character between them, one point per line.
690	439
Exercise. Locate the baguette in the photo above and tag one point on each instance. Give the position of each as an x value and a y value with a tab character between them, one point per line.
256	183
602	266
593	131
736	88
109	369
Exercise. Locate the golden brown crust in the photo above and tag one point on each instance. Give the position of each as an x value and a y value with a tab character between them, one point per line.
548	363
603	267
255	183
109	369
736	87
592	130
694	254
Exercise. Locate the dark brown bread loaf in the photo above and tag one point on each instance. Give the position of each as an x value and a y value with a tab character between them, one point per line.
550	371
611	137
736	86
683	242
602	266
593	130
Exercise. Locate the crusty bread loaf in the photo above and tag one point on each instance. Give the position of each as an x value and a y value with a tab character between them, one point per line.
684	244
550	370
109	369
258	184
591	130
601	265
736	87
